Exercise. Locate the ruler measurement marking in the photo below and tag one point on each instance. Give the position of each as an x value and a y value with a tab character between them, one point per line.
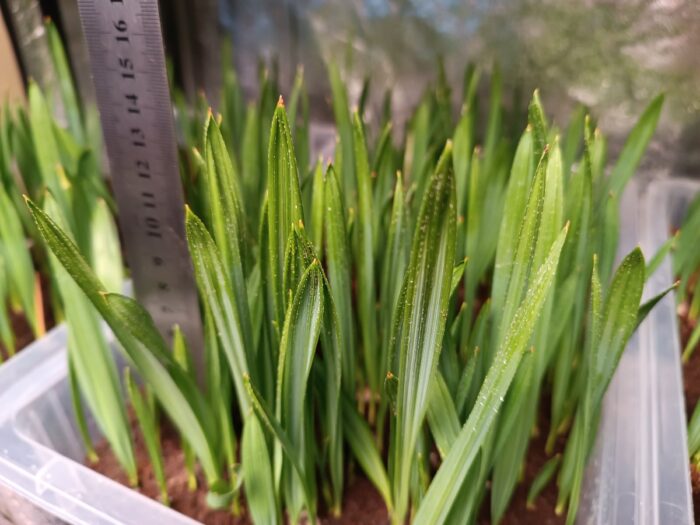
128	65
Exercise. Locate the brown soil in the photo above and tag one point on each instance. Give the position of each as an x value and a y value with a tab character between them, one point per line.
362	506
543	512
695	483
192	504
691	382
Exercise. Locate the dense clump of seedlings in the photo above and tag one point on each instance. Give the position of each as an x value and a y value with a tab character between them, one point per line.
399	300
59	166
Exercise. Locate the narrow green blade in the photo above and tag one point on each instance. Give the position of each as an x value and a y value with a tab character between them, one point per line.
284	207
364	250
428	287
257	474
300	337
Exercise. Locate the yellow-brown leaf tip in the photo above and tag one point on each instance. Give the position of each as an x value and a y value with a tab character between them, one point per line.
280	102
390	375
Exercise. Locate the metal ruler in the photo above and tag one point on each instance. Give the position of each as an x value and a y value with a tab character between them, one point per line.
128	68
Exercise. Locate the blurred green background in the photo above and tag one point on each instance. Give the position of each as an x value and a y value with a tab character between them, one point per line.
611	55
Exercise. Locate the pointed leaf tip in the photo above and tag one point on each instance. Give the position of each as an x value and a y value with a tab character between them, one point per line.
637	252
280	102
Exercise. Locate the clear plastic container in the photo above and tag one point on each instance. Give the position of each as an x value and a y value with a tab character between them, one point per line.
638	473
41	452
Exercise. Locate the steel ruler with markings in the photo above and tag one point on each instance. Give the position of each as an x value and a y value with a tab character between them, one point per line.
128	68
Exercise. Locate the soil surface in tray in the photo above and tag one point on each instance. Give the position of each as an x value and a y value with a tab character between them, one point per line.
691	384
362	504
543	512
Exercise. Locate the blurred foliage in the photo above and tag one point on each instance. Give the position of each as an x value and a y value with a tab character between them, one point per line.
612	56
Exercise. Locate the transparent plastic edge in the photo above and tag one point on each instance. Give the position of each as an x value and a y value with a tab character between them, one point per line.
54	482
665	203
638	470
